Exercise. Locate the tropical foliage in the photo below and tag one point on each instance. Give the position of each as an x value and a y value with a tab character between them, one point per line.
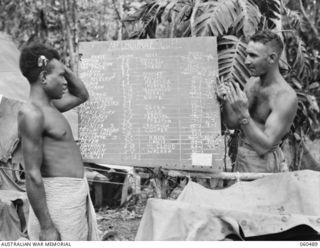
61	23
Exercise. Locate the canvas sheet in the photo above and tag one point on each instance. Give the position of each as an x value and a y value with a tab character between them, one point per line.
12	219
268	205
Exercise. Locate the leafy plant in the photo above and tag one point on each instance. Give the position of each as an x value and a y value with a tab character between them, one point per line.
232	54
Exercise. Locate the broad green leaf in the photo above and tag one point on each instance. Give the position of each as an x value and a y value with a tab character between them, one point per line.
232	54
216	17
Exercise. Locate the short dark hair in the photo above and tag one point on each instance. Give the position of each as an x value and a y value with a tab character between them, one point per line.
267	36
29	59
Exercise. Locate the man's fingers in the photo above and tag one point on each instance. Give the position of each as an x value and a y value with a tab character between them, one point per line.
240	92
238	89
221	91
233	93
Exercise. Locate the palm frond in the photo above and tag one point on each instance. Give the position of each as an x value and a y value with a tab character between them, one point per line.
184	11
215	17
292	19
232	55
250	18
271	9
150	15
302	62
170	8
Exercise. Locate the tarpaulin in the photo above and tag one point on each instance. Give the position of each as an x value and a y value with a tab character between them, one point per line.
9	109
269	205
13	214
12	83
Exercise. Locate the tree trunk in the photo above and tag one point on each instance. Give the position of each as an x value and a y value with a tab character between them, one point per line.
76	36
66	11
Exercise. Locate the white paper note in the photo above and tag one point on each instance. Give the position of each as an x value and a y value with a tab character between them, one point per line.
202	159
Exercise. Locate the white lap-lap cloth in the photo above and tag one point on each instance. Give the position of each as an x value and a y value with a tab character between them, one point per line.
70	208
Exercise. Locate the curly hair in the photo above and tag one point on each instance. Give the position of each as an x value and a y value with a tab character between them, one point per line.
29	60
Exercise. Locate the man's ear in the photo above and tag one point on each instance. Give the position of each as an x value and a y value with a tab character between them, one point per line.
43	76
272	58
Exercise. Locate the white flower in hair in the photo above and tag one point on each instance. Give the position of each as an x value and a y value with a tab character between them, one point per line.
42	61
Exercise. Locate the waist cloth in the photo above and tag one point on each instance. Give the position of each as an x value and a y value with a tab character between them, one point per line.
248	160
70	208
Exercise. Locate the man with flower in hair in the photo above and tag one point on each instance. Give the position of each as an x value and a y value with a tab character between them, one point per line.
264	111
58	193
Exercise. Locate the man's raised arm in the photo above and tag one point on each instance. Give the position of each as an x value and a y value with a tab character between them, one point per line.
77	92
276	126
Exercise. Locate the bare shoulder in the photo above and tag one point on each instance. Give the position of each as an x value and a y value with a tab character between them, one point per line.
286	92
30	118
286	98
30	111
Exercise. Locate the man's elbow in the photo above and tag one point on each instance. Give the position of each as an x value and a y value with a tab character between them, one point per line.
84	97
34	177
262	150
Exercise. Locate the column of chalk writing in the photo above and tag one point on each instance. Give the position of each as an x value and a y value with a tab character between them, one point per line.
88	130
129	146
151	61
95	113
196	114
197	72
156	121
212	142
155	85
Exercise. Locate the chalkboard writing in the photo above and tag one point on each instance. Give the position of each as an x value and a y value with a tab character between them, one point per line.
152	103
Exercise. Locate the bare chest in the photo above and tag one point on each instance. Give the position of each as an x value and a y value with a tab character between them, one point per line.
260	104
57	126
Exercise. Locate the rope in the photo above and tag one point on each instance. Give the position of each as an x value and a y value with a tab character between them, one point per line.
124	173
6	168
104	181
97	181
105	170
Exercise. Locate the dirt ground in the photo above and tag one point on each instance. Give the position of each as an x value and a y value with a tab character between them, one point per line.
122	223
119	224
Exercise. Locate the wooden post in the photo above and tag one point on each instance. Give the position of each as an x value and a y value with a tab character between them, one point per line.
222	175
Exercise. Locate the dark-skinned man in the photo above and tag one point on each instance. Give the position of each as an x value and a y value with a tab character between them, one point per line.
58	193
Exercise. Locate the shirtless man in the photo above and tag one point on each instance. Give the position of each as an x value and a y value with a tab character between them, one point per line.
265	110
49	150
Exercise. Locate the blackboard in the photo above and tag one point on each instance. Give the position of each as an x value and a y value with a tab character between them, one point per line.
152	103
